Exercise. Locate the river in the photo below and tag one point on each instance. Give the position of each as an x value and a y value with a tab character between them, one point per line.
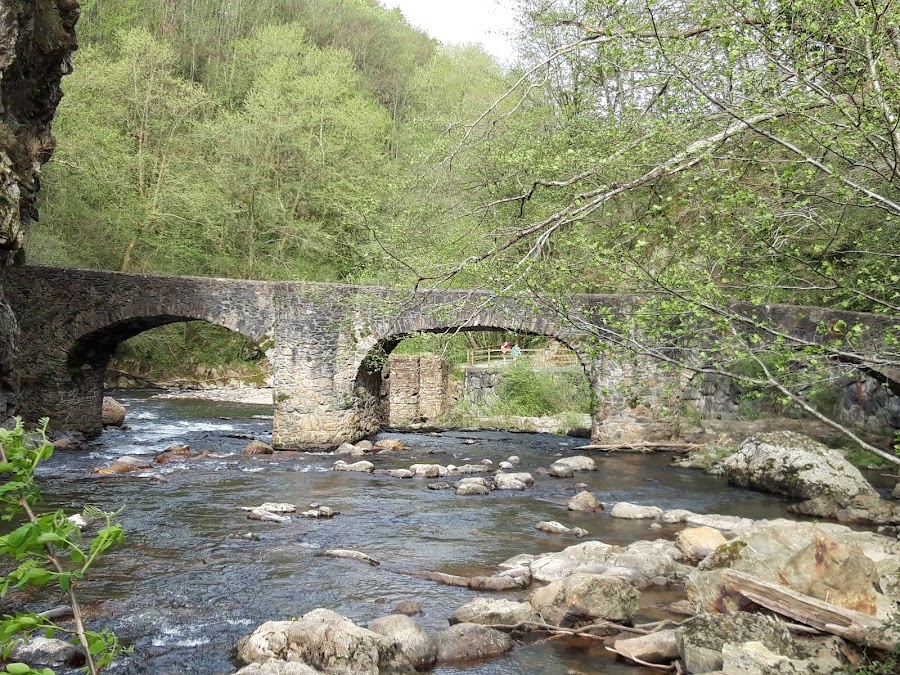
182	593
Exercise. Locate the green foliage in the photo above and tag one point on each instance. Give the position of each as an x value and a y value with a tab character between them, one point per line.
46	549
524	391
189	350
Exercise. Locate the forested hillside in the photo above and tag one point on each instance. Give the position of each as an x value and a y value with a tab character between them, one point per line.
253	140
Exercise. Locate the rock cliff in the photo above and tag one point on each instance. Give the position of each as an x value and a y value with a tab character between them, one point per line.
37	38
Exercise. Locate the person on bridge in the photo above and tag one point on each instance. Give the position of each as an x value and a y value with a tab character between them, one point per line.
504	349
516	351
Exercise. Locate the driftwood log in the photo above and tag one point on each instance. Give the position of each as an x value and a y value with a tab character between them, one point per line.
846	623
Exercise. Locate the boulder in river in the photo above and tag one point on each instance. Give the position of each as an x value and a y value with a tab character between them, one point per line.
428	470
700	641
43	651
554	527
408	607
419	647
825	561
257	447
400	473
582	599
698	542
328	642
795	466
112	413
470	489
272	507
124	464
635	511
659	647
513	481
467	641
584	501
278	667
347	554
390	444
346	449
495	612
567	466
267	516
361	466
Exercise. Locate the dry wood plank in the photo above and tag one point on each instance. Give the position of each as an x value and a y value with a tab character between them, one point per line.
824	616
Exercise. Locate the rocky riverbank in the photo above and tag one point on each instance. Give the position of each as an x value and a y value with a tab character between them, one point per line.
760	596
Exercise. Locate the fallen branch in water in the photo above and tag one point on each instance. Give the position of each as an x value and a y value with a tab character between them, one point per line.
495	583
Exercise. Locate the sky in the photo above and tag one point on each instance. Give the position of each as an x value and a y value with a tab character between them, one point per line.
456	21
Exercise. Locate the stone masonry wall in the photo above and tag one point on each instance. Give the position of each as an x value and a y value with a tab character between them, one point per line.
416	388
326	342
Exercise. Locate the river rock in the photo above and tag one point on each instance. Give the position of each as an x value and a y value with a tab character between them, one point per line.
440	485
514	460
257	447
859	509
124	464
554	527
795	466
513	481
346	449
634	511
428	470
328	642
365	446
267	516
320	512
591	557
698	542
419	647
470	489
278	667
494	612
43	651
112	413
471	468
407	607
350	555
584	501
272	507
390	444
400	473
660	647
582	599
567	466
362	466
828	562
467	641
643	563
505	466
701	640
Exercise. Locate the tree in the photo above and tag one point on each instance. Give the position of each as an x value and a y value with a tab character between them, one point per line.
703	155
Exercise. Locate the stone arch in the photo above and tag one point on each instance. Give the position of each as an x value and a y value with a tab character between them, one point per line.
374	349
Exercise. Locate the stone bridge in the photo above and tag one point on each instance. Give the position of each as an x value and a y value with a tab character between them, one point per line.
326	344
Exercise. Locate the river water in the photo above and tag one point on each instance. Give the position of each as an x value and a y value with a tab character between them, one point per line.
182	593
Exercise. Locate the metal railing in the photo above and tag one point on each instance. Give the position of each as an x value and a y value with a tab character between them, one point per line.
537	357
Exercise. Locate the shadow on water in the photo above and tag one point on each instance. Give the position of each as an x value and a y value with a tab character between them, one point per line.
183	593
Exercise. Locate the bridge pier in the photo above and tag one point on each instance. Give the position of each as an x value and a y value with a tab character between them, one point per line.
636	400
